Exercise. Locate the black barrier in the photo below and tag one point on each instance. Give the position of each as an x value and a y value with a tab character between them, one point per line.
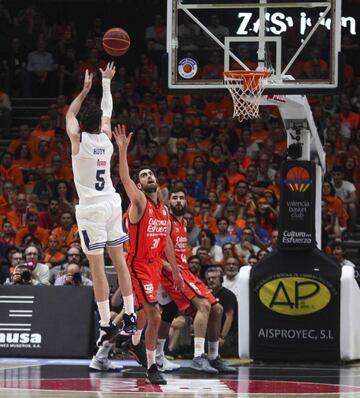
43	321
297	206
295	307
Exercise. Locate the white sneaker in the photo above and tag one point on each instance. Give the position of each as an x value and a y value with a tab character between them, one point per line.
103	365
164	365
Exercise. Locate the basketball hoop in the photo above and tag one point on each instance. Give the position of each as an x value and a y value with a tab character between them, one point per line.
246	87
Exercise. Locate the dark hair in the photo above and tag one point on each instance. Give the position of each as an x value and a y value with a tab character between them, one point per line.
222	219
18	150
69	190
215	269
91	118
32	214
332	188
337	169
137	175
173	190
162	170
209	235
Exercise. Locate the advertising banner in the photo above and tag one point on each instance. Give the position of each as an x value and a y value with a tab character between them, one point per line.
297	206
295	307
43	321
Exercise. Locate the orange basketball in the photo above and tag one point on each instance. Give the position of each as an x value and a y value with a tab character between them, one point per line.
187	68
298	174
116	42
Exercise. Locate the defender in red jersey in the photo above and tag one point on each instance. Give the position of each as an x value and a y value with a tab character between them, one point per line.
149	239
195	299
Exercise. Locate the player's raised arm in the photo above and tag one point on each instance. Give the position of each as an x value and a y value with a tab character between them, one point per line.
72	124
136	196
106	100
170	254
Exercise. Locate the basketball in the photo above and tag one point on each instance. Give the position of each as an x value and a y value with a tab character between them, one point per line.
116	42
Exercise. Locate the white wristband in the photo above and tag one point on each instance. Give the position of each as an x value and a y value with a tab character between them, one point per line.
106	101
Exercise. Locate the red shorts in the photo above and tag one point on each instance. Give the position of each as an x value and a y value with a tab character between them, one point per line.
145	278
193	286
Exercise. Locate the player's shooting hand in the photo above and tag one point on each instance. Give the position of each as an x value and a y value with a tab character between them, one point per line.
109	72
121	139
178	281
87	81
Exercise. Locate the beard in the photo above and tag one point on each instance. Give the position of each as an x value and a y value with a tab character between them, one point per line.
149	188
178	212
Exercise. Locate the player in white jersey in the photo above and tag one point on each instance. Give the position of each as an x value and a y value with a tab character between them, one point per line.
99	213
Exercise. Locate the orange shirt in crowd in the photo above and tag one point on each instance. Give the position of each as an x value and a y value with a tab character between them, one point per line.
351	120
42	162
65	238
13	174
31	142
18	220
48	135
211	223
56	257
180	174
5	206
220	110
233	180
167	118
40	233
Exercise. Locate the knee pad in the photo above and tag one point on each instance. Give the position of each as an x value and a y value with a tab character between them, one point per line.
169	312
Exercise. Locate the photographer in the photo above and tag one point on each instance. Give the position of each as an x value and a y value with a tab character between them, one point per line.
22	275
72	276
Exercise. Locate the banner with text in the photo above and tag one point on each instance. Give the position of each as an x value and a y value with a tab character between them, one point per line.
297	206
295	307
43	321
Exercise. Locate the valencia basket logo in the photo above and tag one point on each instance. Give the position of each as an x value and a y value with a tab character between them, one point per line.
298	179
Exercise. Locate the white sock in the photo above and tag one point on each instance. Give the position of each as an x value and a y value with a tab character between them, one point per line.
160	347
213	349
129	304
150	355
103	351
104	311
199	346
135	338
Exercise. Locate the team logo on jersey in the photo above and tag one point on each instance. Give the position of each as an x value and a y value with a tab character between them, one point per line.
149	288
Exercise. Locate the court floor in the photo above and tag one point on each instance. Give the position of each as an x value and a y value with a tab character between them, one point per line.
52	378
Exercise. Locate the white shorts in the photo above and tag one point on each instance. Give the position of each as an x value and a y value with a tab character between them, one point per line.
162	297
100	224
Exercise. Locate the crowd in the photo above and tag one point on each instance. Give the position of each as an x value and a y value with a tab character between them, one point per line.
229	170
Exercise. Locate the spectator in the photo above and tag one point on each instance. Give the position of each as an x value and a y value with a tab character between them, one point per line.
23	158
7	235
32	228
273	240
5	113
25	137
157	32
73	255
53	255
194	265
44	156
206	240
346	191
245	248
192	230
252	260
10	172
232	276
64	193
194	188
261	236
223	236
16	258
72	277
266	216
59	169
228	343
40	65
204	219
40	271
50	218
67	231
261	254
7	198
216	207
338	251
17	217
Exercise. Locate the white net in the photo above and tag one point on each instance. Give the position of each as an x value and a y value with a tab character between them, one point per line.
246	88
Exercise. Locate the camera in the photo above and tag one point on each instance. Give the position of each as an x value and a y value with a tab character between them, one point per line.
22	275
77	278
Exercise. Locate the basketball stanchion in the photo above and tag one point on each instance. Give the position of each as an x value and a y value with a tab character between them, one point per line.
246	87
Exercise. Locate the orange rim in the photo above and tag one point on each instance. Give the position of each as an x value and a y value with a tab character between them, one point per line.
250	78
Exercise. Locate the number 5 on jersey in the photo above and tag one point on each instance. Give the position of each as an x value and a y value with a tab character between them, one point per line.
99	186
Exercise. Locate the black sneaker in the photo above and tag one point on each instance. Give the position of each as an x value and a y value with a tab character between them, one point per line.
129	325
139	352
223	368
153	376
107	334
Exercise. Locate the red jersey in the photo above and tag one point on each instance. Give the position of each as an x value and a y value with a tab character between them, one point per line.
147	238
178	235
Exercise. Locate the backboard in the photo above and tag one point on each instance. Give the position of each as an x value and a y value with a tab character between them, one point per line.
299	42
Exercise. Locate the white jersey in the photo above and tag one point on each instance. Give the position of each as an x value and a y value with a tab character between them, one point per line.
91	168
